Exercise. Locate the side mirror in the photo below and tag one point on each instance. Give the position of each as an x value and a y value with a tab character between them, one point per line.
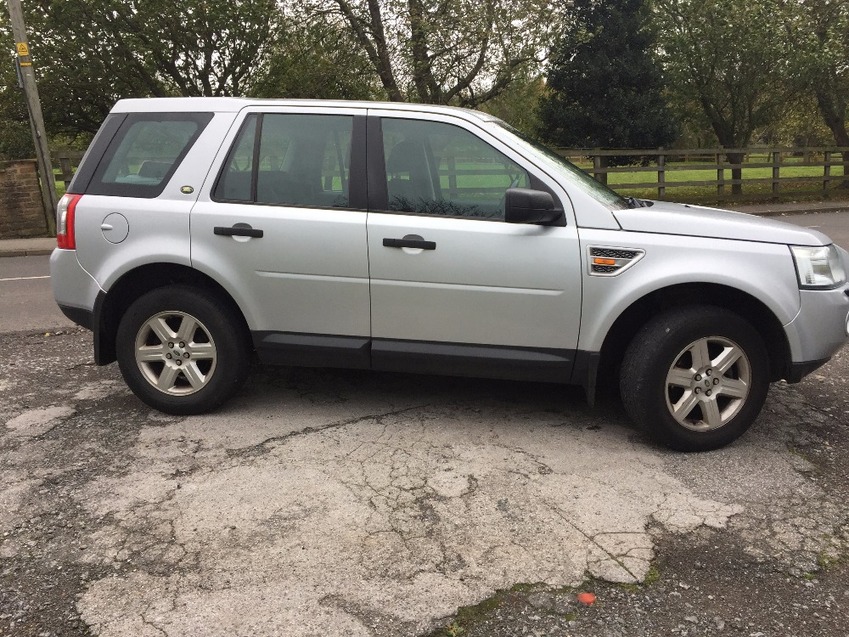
523	205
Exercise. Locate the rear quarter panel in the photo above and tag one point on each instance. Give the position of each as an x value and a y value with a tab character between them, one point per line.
158	227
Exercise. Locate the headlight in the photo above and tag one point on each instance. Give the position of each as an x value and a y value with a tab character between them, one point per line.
819	267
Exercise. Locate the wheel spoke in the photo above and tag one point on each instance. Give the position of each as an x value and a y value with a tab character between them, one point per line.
167	378
679	377
727	359
193	375
186	331
150	353
684	406
734	388
159	327
700	354
710	411
202	351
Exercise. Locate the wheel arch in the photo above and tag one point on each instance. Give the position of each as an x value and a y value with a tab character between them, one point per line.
110	306
755	312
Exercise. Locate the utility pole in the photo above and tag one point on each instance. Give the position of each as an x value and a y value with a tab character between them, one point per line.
36	119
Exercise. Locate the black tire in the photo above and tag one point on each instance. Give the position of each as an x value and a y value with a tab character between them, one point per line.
214	353
676	386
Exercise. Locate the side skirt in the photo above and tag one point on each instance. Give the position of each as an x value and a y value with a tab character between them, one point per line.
420	357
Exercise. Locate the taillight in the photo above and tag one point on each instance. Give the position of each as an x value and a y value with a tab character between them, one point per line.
65	211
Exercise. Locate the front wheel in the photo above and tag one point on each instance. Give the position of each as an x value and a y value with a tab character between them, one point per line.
181	351
695	378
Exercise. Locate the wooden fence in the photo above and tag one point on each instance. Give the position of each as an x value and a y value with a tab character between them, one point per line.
826	168
655	170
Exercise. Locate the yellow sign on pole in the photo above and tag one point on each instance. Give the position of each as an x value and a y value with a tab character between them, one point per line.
23	49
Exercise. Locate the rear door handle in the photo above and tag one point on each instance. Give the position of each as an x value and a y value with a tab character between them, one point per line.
410	241
238	230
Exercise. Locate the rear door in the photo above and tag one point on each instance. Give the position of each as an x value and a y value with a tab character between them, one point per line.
283	228
454	288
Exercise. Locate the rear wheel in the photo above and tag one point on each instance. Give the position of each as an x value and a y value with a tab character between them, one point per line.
182	351
695	378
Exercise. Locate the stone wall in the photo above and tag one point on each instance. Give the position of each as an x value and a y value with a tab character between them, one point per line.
21	210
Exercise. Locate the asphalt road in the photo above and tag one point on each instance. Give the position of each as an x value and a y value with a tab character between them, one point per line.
834	224
27	298
325	503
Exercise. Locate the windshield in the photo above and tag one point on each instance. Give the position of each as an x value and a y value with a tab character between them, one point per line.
574	175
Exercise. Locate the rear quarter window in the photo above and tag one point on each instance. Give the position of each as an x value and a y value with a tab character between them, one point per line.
145	152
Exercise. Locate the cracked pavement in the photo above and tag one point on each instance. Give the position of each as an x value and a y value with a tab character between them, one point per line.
358	504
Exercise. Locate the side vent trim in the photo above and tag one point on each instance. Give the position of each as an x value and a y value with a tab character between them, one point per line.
611	261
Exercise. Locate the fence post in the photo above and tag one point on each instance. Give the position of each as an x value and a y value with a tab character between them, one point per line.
597	166
661	175
776	172
826	171
452	175
67	173
720	176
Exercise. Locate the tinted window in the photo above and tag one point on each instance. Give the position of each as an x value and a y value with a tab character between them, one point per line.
235	182
294	160
145	153
435	168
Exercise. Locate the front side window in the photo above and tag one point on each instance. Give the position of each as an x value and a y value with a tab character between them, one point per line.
289	160
573	175
146	151
441	169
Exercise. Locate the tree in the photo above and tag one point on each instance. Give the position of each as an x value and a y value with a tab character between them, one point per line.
315	59
726	56
518	104
819	32
445	51
89	53
606	88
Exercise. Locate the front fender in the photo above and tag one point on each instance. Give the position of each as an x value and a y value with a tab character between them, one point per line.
761	270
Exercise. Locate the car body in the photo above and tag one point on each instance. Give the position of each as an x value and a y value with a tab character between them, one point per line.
430	239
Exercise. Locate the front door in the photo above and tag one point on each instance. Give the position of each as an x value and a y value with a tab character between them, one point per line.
455	288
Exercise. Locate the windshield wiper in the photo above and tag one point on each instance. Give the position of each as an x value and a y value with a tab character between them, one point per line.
633	202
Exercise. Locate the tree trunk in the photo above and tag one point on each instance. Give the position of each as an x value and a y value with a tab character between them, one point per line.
834	116
736	173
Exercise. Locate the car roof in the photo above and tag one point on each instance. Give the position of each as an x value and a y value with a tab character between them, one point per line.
234	104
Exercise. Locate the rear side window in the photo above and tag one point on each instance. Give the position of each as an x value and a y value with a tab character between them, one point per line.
145	152
289	160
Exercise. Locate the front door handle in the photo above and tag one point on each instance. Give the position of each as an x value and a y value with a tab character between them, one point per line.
410	241
238	230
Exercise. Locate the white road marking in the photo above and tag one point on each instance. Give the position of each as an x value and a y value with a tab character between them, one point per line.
25	278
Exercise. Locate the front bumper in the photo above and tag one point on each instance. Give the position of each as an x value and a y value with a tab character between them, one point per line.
818	330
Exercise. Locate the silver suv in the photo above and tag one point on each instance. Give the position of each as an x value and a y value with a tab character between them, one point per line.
426	239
